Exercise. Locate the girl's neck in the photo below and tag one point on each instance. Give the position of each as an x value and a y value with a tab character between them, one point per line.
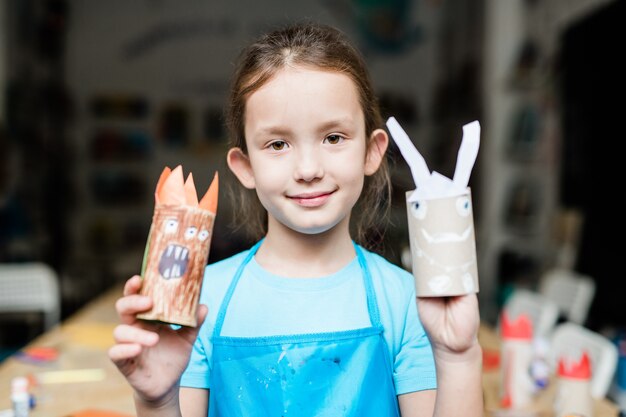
289	253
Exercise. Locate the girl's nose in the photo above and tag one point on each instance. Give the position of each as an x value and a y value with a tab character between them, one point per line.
309	166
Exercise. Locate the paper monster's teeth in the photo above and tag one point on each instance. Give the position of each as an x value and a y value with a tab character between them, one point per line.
174	261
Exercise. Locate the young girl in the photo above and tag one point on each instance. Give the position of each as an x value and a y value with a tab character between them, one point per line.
307	322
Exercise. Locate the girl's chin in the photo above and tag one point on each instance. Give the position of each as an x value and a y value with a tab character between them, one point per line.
307	223
312	229
318	229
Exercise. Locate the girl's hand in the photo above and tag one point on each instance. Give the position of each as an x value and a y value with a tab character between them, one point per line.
451	322
151	356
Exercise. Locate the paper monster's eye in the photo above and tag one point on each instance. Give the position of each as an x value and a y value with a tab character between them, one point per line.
463	206
190	232
419	209
203	235
171	226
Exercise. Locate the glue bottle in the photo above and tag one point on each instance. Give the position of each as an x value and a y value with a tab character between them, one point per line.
517	352
20	397
574	391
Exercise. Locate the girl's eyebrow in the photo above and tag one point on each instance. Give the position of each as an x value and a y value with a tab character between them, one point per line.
273	130
337	123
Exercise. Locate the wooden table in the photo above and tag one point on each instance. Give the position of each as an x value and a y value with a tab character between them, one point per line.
542	405
82	343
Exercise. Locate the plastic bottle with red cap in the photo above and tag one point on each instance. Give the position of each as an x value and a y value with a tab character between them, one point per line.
517	385
574	396
20	397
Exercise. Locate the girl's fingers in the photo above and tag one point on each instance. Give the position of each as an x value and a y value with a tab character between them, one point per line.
127	307
203	310
123	352
134	335
133	285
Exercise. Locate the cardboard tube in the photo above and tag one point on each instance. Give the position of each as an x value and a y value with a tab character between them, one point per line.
176	254
443	246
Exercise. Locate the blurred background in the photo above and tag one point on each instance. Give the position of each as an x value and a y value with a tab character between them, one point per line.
96	97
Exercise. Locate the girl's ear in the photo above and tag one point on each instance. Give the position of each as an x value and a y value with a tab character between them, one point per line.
239	163
376	151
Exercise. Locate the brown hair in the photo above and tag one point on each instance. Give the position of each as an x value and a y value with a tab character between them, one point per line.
316	46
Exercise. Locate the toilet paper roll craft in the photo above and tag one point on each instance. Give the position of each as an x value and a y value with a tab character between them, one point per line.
440	219
516	382
178	248
573	396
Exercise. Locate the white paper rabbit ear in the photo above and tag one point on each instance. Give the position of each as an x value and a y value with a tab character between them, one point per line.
467	154
419	169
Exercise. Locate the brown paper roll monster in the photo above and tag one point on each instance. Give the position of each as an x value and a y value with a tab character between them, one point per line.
178	248
443	246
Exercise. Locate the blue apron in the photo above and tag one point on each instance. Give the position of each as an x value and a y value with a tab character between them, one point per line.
344	373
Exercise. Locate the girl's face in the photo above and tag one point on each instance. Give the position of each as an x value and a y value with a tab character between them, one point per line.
307	154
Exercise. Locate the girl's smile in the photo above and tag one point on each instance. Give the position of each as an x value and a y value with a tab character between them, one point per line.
311	199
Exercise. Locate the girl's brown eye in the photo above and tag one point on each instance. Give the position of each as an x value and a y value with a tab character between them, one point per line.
333	139
279	145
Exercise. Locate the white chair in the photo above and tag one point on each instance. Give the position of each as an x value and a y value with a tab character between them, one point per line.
542	312
571	291
30	287
570	339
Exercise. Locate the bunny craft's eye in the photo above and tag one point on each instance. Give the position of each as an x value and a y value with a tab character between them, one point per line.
463	206
419	209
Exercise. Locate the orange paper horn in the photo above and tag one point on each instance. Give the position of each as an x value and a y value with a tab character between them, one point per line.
190	191
172	190
178	247
209	201
166	173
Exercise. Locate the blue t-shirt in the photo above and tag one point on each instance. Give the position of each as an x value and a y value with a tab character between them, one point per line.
265	304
